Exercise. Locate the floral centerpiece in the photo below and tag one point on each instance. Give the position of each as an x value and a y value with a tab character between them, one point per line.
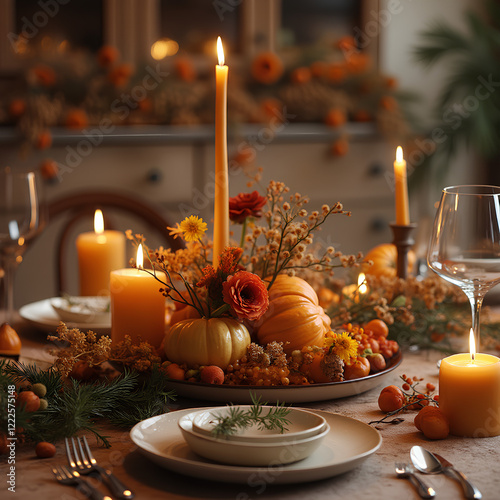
256	315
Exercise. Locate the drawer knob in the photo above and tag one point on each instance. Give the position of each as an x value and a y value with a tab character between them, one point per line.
154	176
378	224
376	170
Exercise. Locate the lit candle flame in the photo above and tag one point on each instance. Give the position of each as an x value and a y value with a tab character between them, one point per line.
139	261
220	51
362	287
98	222
472	345
399	154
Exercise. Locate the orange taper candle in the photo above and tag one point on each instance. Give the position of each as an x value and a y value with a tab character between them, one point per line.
221	201
401	189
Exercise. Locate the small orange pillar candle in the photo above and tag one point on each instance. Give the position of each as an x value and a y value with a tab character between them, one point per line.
401	189
137	306
99	253
469	393
221	200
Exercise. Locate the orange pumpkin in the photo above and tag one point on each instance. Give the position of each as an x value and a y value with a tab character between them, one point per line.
202	341
384	258
294	316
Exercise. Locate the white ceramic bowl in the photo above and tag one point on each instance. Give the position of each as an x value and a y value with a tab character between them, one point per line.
82	309
302	424
249	453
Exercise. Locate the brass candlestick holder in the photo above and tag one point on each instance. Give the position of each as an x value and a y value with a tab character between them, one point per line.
404	241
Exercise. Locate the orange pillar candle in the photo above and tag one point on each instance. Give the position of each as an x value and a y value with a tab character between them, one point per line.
469	393
221	200
401	189
99	253
137	306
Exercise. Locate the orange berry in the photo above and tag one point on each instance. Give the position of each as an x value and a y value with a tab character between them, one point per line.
44	140
389	103
431	387
318	69
336	72
17	107
45	450
120	75
76	119
49	169
362	116
301	75
347	43
185	69
406	387
335	117
340	147
107	55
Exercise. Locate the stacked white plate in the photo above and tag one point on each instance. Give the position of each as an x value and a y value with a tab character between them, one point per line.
254	446
82	309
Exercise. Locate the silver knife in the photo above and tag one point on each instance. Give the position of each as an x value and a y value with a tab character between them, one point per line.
470	491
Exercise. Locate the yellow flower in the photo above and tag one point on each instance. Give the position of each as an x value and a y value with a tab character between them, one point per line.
175	231
344	346
193	228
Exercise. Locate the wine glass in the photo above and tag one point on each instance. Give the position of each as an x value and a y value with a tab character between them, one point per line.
20	221
465	243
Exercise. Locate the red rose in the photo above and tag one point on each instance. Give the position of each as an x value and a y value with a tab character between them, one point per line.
247	295
246	205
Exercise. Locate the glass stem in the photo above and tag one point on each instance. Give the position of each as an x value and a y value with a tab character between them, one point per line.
476	302
8	290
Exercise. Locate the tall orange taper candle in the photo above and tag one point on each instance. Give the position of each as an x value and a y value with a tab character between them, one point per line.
99	253
137	306
401	188
221	201
469	393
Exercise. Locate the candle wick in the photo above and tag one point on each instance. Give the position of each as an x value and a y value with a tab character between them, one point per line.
473	356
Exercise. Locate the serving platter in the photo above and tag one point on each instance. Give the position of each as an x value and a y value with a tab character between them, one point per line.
284	394
348	443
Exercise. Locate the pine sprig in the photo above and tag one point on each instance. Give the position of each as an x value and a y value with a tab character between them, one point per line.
238	419
19	373
147	400
75	406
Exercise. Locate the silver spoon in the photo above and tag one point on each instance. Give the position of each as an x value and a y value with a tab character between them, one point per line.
428	463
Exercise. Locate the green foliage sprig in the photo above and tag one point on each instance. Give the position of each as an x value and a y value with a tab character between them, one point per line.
75	406
238	419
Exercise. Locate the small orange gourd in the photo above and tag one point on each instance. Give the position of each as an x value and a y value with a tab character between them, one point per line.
294	316
384	258
10	343
202	341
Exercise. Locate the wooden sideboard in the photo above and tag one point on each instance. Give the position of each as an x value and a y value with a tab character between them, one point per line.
172	168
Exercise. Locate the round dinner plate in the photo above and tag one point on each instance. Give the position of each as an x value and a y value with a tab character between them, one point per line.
346	446
42	315
283	394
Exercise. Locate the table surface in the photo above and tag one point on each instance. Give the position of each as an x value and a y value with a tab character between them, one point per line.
374	478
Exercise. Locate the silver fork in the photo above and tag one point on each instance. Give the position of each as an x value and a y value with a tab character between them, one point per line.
406	471
85	463
72	478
